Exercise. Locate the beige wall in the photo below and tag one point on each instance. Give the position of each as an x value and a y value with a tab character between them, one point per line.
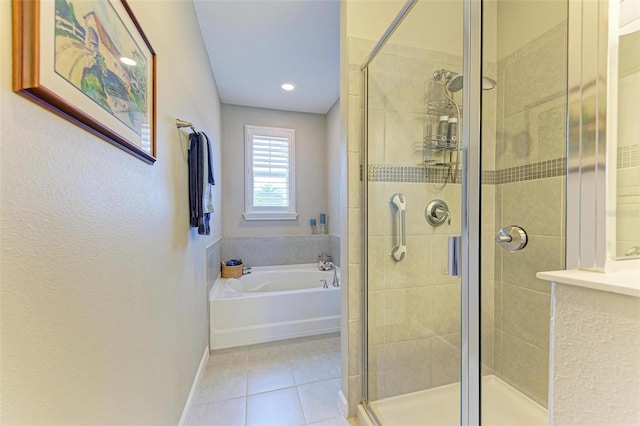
311	169
103	291
521	21
369	19
439	29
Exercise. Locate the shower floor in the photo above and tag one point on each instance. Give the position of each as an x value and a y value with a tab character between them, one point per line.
501	405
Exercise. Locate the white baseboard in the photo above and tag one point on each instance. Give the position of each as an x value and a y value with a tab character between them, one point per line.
194	386
343	404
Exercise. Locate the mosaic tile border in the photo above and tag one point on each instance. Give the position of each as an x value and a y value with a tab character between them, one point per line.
628	156
415	174
533	171
421	174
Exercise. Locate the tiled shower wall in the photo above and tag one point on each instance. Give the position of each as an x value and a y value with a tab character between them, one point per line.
530	140
414	305
414	309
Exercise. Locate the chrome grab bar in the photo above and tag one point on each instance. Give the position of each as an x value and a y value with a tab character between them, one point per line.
400	250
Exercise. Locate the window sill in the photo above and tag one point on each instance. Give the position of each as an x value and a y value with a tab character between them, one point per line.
270	216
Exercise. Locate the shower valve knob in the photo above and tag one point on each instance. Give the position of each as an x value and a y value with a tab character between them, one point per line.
437	213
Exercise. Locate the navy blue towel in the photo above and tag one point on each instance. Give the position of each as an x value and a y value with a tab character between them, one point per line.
197	218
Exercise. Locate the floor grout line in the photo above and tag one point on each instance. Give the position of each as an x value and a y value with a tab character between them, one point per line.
304	417
288	360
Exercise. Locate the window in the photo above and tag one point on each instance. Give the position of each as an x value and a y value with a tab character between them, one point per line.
269	173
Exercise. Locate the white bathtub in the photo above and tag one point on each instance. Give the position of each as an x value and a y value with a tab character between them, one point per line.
273	303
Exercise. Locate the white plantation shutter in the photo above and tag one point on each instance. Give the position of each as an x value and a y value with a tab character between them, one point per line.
269	173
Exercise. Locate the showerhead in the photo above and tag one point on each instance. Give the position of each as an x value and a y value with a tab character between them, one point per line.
455	84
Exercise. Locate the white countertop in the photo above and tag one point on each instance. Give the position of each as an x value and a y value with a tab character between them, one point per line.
622	277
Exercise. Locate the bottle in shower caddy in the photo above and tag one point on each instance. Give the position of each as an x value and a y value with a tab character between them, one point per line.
443	126
452	132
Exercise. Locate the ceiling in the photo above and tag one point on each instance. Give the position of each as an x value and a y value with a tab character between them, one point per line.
256	45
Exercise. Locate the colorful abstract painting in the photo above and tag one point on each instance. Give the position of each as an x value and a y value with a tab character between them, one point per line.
95	52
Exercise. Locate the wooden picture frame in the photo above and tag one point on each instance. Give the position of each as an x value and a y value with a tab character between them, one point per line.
90	62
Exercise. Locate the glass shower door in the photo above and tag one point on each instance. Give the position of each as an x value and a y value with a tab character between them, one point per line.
459	147
523	149
413	205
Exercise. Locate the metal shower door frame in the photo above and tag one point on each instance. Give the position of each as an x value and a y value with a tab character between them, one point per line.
471	194
470	202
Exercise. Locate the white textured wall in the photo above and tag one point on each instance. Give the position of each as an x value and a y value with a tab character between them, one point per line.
311	182
103	292
334	175
595	361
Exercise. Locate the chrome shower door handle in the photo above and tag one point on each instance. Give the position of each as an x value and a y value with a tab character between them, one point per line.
512	238
454	265
400	250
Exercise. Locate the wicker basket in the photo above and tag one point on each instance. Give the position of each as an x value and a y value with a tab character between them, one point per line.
231	271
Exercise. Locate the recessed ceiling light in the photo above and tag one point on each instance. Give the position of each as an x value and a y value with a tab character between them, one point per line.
288	87
128	61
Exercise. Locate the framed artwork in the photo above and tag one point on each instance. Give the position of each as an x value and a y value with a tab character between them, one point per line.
90	62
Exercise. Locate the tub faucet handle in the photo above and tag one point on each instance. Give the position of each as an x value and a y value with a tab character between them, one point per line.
325	285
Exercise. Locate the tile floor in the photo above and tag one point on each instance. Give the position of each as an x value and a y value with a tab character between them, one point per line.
291	382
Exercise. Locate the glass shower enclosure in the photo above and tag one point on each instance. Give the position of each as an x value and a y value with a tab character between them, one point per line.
465	155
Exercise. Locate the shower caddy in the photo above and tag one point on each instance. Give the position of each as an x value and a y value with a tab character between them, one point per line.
440	152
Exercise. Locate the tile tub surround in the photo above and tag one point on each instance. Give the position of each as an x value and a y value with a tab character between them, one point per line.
291	382
280	250
214	256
